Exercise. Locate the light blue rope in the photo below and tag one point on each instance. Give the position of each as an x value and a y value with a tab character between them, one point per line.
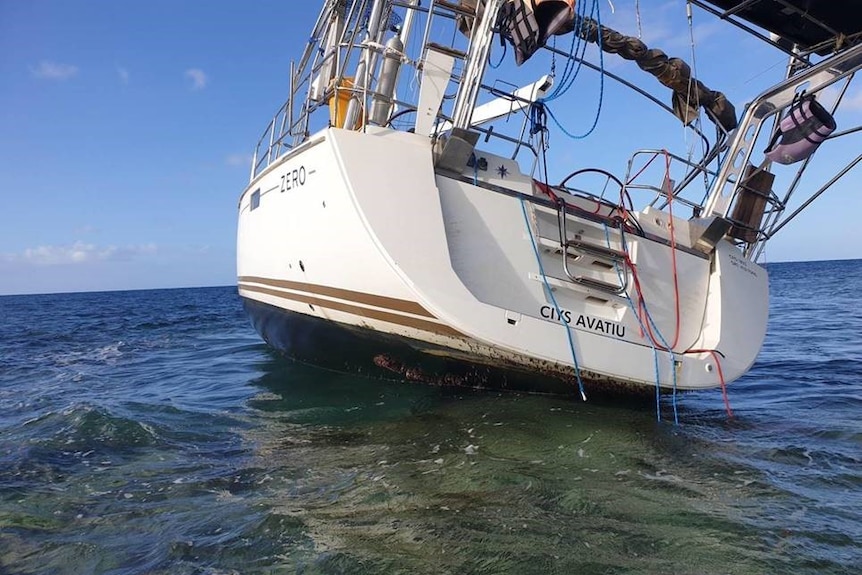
672	363
669	352
554	300
643	329
475	169
652	345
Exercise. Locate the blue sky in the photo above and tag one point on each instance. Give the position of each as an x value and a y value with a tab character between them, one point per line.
126	130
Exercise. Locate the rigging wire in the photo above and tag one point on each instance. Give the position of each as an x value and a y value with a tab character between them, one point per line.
694	74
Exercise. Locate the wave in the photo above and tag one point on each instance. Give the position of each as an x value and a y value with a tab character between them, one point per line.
84	427
109	354
46	448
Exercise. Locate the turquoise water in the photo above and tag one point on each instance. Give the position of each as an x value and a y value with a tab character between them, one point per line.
153	432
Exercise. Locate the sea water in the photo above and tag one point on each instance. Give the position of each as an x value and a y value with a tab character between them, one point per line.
153	432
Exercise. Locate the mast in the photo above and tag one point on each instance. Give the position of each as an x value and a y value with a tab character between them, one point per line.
477	60
366	65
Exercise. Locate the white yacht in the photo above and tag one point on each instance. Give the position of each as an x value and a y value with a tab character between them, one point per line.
399	221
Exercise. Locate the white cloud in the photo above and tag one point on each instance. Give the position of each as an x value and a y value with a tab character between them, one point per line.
197	77
124	75
654	25
703	31
850	101
201	249
853	101
78	253
234	160
48	70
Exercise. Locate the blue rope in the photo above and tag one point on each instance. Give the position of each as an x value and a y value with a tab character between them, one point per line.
502	57
578	48
567	77
537	118
597	12
672	363
669	351
660	337
550	293
643	329
475	169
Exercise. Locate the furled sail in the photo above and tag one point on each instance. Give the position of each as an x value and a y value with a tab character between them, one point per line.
528	24
688	92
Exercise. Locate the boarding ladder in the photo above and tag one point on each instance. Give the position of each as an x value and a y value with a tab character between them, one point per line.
574	248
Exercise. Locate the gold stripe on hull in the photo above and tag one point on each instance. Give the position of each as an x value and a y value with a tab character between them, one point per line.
390	315
391	303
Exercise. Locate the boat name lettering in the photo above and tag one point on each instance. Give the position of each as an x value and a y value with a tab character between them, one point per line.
549	312
585	321
742	264
601	325
293	179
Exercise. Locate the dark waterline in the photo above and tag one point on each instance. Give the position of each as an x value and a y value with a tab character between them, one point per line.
153	432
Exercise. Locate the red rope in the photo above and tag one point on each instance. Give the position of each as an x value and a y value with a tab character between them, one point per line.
645	321
672	246
642	311
641	300
721	381
642	308
546	189
641	171
723	386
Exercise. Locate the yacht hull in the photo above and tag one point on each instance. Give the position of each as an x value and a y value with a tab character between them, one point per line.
379	355
354	251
